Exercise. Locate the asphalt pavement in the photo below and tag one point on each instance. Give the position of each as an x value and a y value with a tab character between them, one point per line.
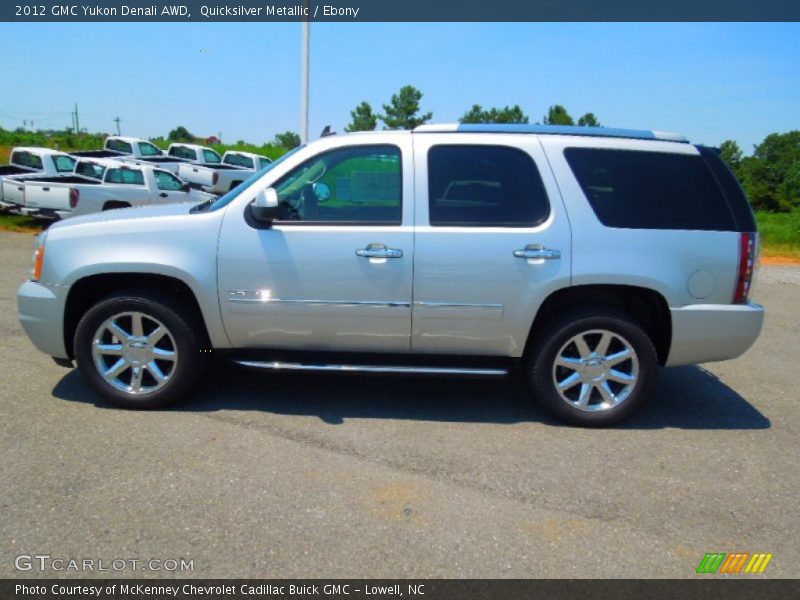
343	476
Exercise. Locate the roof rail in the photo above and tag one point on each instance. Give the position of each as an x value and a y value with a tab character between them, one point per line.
637	134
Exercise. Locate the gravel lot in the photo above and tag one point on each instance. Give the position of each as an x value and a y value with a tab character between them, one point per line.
341	476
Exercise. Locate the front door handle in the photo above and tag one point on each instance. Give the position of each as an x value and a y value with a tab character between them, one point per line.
44	189
537	251
379	251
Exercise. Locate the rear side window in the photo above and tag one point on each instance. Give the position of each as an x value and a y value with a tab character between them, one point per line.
148	149
64	163
90	169
119	146
484	186
650	190
182	152
126	176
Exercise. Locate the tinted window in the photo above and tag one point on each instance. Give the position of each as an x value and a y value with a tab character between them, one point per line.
211	157
239	160
487	186
127	176
358	184
264	162
734	194
650	190
63	163
90	169
148	149
168	182
119	146
182	152
35	161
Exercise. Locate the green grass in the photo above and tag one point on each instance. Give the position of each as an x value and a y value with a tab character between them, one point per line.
780	233
20	223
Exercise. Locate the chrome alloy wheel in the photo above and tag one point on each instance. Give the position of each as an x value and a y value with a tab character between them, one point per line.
595	370
135	353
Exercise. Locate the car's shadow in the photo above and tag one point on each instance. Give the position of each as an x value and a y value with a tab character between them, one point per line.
683	397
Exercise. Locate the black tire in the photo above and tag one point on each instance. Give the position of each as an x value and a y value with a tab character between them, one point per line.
185	335
550	342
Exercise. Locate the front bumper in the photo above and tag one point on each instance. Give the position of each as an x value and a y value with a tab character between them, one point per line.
41	313
710	332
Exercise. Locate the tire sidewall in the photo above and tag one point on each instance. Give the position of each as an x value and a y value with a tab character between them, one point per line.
544	353
185	337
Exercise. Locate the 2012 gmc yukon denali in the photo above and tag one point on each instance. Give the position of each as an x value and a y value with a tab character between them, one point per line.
583	258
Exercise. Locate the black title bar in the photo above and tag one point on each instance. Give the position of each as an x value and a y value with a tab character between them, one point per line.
399	10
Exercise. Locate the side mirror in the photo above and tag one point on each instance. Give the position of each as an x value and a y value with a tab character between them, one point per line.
322	192
265	207
185	187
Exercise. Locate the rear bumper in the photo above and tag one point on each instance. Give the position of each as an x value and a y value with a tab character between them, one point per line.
41	313
710	332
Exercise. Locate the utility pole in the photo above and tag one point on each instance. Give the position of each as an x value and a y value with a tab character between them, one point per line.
304	83
77	123
117	120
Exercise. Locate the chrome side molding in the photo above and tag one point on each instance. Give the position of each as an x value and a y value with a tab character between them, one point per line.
388	369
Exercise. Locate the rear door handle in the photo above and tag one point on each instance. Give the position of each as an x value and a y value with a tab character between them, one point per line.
537	251
379	251
45	189
163	194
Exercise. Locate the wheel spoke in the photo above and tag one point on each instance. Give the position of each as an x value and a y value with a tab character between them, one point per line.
116	369
118	331
603	344
156	335
583	347
586	393
606	393
136	379
567	362
161	354
618	357
152	367
109	349
569	381
621	377
136	325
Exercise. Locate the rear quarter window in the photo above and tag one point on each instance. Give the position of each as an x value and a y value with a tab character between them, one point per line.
119	146
650	190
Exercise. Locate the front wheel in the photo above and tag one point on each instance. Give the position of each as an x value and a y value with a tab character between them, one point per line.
137	351
593	367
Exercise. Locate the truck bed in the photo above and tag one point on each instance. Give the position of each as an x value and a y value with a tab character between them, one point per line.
12	170
68	179
98	154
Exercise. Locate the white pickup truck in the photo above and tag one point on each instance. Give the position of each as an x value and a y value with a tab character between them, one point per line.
195	153
28	163
135	150
219	179
104	184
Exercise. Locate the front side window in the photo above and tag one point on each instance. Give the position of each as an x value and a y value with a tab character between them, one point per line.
64	163
650	190
484	186
239	160
125	176
148	149
119	146
168	182
358	184
211	157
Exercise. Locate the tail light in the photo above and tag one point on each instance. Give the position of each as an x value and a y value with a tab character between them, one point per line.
747	262
215	178
74	196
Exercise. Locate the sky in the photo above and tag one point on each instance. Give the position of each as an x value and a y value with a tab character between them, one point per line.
709	81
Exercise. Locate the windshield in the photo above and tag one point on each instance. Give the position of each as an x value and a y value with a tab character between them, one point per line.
148	149
223	201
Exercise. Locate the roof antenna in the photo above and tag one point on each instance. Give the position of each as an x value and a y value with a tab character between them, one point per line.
327	131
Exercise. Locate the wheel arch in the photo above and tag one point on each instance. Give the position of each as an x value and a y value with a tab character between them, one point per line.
646	306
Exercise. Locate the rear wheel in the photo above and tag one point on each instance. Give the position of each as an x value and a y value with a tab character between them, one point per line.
593	367
137	351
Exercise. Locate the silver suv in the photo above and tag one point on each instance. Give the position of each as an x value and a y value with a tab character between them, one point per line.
581	257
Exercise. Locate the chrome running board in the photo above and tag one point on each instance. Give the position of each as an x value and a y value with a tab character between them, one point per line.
288	366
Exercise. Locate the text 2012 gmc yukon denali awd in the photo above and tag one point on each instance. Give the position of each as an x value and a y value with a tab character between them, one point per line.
584	257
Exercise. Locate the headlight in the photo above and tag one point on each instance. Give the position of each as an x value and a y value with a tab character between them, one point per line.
38	257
